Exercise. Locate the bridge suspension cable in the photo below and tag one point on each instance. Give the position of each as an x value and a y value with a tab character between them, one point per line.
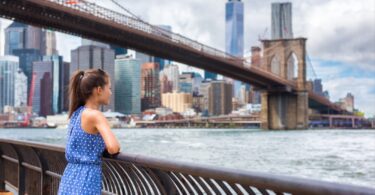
160	30
126	10
310	67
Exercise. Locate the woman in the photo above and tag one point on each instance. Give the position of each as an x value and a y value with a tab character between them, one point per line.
89	134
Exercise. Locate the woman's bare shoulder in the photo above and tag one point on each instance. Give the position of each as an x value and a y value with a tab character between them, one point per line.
93	115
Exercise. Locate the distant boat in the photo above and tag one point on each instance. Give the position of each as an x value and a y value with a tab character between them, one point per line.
51	125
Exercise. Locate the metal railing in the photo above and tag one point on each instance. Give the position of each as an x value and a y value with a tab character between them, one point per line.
35	168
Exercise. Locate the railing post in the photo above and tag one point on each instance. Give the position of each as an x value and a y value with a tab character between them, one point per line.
44	182
2	175
165	181
21	171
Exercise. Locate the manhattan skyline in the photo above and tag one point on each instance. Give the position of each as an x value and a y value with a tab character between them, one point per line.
339	36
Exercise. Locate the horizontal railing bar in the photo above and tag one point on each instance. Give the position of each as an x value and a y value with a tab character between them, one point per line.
49	147
11	185
32	167
13	160
53	174
106	193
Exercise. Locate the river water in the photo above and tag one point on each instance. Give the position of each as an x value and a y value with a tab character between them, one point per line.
345	156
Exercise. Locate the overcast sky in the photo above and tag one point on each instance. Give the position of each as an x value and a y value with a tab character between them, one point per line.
340	33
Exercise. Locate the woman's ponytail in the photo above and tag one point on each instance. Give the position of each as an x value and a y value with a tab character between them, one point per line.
75	96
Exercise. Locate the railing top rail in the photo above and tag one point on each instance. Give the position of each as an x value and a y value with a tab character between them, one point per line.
51	147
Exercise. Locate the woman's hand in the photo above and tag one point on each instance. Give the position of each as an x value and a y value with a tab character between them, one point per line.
106	154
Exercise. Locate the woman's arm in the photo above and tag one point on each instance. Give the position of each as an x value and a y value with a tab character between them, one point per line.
101	124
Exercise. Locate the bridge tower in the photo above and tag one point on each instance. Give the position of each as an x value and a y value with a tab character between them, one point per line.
283	109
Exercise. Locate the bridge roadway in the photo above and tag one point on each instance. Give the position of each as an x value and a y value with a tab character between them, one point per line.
94	22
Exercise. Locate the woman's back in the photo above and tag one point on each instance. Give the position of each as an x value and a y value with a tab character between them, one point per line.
83	153
82	147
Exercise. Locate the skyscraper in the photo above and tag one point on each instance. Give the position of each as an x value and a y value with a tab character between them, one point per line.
66	77
234	30
128	85
150	86
318	87
92	56
281	21
234	27
197	81
58	82
14	37
143	57
119	50
22	36
49	43
210	75
46	95
88	42
348	102
49	85
178	102
20	89
165	85
8	69
1	39
34	39
26	59
204	91
172	74
220	98
189	82
43	95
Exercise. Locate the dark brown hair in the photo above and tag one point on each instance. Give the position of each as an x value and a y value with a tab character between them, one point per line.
82	84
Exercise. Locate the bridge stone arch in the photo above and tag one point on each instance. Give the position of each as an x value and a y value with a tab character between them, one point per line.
275	65
283	49
281	110
292	67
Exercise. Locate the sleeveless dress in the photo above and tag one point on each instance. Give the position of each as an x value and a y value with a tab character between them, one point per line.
83	173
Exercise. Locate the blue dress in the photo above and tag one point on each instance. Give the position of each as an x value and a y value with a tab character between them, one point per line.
83	173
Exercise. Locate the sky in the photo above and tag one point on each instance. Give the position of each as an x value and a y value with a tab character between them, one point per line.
340	33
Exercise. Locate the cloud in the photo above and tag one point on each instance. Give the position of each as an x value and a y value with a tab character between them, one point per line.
329	69
344	32
199	20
